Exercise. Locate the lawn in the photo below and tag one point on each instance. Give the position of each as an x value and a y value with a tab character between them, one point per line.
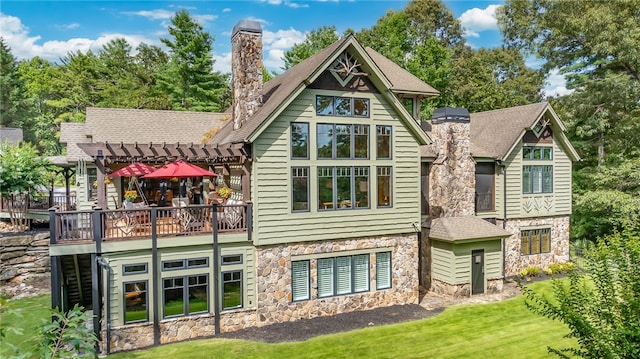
496	330
28	315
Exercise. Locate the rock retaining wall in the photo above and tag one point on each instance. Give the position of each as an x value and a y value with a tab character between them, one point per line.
23	256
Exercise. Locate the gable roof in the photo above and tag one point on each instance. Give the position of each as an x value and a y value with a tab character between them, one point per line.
495	133
452	229
279	91
120	125
402	81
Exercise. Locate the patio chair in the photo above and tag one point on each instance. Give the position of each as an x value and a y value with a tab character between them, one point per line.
181	214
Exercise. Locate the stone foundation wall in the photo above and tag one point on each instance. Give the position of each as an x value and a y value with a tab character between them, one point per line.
274	279
23	256
463	290
515	262
136	336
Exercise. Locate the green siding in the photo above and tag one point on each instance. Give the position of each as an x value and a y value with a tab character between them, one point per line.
557	203
116	260
442	260
271	183
492	260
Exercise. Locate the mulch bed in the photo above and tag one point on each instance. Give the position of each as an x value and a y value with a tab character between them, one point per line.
308	328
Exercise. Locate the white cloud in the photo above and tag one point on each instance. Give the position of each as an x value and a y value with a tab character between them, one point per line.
477	20
226	9
222	63
24	46
73	25
158	14
289	3
556	85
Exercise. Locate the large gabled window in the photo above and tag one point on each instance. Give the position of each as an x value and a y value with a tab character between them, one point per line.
342	141
299	140
342	106
537	177
343	187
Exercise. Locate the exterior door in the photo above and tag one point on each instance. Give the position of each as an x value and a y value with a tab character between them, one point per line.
477	271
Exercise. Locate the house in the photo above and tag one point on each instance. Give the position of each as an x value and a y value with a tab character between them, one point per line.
344	201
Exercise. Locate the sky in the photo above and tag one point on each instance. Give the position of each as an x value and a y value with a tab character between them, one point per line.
51	29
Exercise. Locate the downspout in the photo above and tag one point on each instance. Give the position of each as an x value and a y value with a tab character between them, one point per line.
104	264
504	213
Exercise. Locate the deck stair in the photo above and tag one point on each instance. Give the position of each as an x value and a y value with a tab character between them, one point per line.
76	271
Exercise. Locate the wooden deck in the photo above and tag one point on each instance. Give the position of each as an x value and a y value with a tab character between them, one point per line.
72	227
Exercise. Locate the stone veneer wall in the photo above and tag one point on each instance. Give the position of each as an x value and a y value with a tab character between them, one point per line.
452	180
273	278
140	335
515	262
464	290
24	255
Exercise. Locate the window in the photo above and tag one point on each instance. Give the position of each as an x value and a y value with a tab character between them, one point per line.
384	186
181	299
343	187
92	183
232	259
232	289
383	270
342	141
537	179
185	263
138	268
300	280
343	275
135	302
300	189
383	142
537	153
485	174
342	106
299	140
535	241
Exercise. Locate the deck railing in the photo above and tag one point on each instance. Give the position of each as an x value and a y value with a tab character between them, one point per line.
145	222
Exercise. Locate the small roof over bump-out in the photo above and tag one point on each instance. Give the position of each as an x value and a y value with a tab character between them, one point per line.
246	25
465	228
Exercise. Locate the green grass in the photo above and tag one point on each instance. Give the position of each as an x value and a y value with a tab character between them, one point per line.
495	330
29	314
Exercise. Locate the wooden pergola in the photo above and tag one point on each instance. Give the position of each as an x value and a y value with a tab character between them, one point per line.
106	153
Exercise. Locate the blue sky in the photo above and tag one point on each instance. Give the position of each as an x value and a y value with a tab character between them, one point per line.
50	29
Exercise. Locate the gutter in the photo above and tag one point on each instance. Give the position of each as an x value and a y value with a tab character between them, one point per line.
504	212
104	264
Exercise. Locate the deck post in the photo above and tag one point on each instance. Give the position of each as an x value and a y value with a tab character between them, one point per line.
154	278
216	265
56	281
95	298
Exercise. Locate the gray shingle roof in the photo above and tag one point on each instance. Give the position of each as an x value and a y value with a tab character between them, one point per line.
142	126
279	89
402	80
453	229
493	133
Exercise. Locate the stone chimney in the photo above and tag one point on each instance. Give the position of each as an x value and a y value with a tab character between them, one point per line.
246	71
452	179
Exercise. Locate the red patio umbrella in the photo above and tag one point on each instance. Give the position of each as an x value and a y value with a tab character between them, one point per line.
133	169
179	168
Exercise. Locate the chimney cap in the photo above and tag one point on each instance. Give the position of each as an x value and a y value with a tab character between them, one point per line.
450	114
246	25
